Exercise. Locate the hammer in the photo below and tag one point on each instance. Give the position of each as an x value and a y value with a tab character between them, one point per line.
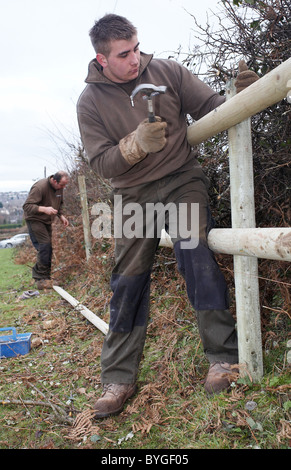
148	91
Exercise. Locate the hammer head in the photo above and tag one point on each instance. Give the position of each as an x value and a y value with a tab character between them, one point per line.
148	90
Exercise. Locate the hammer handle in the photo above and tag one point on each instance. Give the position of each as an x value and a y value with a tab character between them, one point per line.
151	111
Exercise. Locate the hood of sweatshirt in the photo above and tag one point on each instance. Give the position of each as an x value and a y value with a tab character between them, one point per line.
95	74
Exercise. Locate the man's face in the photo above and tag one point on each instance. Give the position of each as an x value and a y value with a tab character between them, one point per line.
61	185
122	64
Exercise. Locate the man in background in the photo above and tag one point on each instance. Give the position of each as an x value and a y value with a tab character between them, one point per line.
43	204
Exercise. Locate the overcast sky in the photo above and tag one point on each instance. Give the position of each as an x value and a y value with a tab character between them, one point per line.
45	51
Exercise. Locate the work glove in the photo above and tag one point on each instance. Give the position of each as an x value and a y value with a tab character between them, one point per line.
245	77
149	137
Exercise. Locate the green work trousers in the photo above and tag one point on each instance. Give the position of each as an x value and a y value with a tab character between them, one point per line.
130	280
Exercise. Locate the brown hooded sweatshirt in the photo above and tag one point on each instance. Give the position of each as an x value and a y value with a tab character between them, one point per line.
106	115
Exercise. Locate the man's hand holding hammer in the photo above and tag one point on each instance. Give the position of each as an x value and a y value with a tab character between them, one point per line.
149	137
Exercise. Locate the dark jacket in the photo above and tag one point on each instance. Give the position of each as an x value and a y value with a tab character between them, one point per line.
42	194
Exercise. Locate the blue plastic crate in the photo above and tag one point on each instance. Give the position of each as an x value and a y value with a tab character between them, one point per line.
14	344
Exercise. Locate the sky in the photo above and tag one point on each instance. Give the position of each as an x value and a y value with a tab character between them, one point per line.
45	50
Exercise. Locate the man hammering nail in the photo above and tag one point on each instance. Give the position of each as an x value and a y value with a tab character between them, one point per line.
132	119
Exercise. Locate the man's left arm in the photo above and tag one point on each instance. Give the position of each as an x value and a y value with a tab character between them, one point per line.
199	99
64	220
61	216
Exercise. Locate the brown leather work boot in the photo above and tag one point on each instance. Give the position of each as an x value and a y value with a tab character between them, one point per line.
44	284
112	399
220	376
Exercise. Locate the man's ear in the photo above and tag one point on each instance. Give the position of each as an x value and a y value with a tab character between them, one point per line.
101	59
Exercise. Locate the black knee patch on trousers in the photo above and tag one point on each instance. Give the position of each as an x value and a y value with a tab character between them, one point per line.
129	303
206	286
45	253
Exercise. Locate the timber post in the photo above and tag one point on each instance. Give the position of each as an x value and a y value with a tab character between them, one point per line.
245	267
85	216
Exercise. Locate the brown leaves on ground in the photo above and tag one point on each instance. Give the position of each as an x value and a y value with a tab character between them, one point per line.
83	426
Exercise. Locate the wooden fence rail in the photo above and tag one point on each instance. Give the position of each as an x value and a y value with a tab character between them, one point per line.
267	243
269	90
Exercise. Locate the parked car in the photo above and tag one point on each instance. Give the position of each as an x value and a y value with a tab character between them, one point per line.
14	241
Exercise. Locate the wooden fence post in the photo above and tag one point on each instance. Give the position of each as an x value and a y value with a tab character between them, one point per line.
85	215
245	267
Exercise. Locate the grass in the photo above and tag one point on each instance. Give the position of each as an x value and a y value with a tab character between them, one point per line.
46	395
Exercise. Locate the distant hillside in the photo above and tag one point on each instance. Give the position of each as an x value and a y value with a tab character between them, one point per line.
11	203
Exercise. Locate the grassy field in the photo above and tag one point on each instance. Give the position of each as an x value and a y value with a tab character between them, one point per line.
46	395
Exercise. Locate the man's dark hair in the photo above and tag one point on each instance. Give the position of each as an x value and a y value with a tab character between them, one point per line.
110	28
59	175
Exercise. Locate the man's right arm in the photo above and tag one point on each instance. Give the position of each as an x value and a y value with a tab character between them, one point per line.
149	137
104	154
47	210
110	159
31	205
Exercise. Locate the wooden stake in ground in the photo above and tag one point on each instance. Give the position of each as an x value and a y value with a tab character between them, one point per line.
85	216
245	267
